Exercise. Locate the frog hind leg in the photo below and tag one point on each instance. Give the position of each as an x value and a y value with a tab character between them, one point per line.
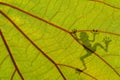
82	58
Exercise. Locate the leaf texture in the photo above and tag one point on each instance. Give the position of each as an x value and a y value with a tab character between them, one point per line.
38	43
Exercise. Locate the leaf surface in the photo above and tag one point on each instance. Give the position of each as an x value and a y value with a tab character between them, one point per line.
37	40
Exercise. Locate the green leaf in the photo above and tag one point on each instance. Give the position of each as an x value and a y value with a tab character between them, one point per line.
59	40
